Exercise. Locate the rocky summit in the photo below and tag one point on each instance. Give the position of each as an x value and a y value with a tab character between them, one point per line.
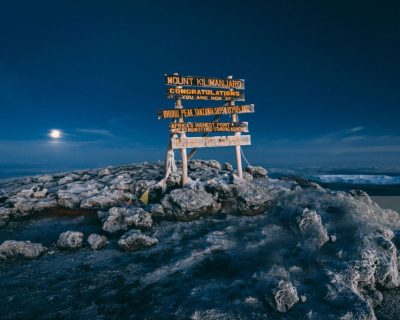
222	247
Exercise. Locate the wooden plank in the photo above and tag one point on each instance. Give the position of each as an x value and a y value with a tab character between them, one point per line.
201	127
205	82
207	142
205	111
204	94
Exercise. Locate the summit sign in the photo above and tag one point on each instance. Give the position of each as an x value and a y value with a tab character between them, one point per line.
227	90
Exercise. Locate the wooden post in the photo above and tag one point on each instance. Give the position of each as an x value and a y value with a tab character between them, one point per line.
178	105
237	147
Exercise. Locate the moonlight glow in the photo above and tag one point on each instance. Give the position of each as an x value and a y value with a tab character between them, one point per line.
55	134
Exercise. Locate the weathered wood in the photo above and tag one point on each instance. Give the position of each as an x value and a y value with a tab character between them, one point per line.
201	127
205	111
205	82
206	142
205	94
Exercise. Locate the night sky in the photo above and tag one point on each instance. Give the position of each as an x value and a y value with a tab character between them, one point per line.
324	77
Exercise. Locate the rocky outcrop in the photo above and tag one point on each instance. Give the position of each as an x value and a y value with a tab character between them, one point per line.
97	241
12	249
135	240
188	204
70	240
337	252
123	218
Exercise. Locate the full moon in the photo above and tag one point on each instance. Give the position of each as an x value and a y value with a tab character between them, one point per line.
55	134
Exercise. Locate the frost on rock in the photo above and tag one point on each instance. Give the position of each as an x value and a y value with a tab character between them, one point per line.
311	227
12	249
97	241
70	240
279	291
278	242
135	240
188	204
121	219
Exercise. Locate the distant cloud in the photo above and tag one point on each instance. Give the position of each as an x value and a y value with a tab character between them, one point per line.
337	135
355	129
354	138
98	132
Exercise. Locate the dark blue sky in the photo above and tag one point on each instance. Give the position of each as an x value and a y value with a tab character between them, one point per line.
323	75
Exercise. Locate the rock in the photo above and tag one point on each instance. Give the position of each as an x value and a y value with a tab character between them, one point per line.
86	177
227	166
157	210
70	240
97	241
204	165
105	172
45	204
66	179
387	272
27	206
106	199
256	171
135	240
252	199
45	178
12	249
310	225
68	200
40	194
188	204
279	292
4	216
119	218
214	164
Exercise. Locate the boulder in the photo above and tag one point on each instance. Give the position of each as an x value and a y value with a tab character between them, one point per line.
70	240
278	290
157	210
123	218
97	241
251	198
311	227
188	204
68	200
12	249
256	171
135	240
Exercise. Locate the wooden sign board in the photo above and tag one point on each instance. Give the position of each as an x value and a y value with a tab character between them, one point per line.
205	94
205	82
201	127
207	111
206	142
